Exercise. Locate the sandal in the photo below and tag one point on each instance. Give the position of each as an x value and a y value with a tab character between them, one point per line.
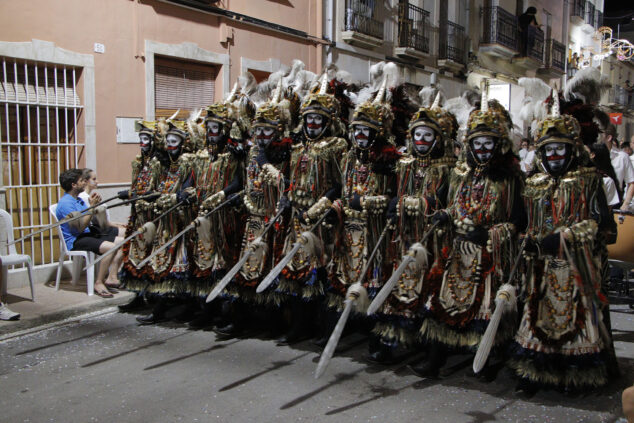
104	294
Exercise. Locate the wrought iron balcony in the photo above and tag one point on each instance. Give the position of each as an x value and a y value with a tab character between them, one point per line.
414	28
555	55
554	62
499	29
535	43
578	9
453	47
623	97
598	19
360	17
589	14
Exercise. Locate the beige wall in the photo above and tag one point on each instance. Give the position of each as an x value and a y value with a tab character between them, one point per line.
123	26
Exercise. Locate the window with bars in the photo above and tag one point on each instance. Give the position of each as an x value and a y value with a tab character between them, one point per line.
41	135
182	85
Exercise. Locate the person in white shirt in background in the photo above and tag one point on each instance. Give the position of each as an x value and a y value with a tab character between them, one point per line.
601	158
91	185
523	149
620	162
526	163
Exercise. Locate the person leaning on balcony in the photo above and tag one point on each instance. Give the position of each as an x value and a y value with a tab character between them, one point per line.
527	38
83	234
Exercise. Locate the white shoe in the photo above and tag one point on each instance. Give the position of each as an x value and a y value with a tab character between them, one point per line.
6	314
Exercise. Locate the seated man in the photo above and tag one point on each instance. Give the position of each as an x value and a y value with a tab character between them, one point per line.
82	235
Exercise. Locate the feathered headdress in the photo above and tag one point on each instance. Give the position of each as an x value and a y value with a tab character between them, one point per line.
492	119
325	104
442	121
587	85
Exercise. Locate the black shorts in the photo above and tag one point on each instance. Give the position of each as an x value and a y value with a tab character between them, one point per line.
90	241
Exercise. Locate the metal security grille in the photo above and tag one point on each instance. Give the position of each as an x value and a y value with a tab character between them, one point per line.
40	125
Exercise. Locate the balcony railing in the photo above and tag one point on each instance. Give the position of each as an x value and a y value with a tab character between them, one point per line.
555	55
413	27
500	27
623	97
535	43
453	47
360	17
598	19
578	8
589	13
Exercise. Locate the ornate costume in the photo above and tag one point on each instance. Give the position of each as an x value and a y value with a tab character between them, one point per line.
486	211
171	266
369	185
145	172
562	339
266	179
219	172
315	182
423	183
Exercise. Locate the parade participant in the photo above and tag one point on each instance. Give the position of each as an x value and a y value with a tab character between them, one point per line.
315	182
81	235
369	184
423	183
170	267
218	173
486	211
267	171
562	339
145	171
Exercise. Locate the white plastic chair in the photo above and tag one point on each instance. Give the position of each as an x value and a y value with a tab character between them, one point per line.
13	258
76	268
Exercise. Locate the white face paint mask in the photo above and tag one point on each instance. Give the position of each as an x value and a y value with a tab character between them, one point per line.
556	156
264	135
213	132
483	148
424	139
145	141
313	125
363	136
173	142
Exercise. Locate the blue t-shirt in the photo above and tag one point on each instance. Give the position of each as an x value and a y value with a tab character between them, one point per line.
66	205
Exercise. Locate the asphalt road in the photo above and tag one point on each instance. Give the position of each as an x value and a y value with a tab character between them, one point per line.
108	369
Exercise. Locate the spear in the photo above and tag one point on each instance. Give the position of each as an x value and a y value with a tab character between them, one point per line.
235	269
303	240
76	216
134	234
505	300
411	256
187	229
333	341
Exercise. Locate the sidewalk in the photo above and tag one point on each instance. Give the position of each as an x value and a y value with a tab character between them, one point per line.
52	306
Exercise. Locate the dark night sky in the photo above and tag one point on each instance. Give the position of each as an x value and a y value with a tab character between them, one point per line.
619	12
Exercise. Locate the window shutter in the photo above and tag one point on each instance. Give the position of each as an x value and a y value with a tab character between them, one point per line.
184	86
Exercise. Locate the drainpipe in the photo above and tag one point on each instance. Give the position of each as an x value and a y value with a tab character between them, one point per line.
566	20
330	31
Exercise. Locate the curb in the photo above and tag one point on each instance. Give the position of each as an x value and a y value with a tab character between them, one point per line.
61	317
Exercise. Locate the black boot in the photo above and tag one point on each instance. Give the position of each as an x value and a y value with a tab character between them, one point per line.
157	315
233	321
206	317
379	352
431	367
137	303
299	329
328	322
526	387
